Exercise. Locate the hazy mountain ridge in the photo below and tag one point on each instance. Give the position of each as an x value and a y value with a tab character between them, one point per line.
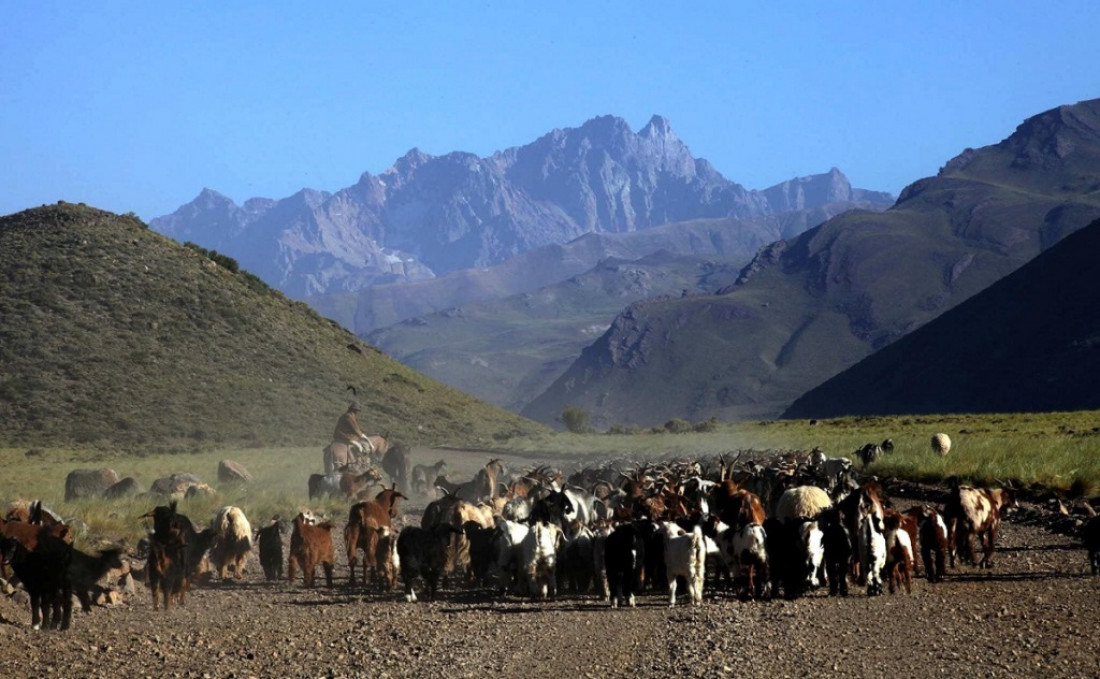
1028	343
430	215
835	294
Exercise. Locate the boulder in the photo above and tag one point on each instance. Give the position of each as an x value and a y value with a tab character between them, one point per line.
127	487
88	483
232	472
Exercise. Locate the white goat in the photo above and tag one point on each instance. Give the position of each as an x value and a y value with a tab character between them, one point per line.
685	555
540	557
872	551
509	558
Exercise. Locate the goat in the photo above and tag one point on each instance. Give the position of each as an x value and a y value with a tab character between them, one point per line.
576	568
387	559
324	485
311	545
685	556
872	552
174	530
899	553
837	545
270	541
45	575
539	551
421	475
352	484
423	555
29	535
508	539
624	559
482	554
166	573
361	531
976	511
933	540
232	541
1091	535
85	571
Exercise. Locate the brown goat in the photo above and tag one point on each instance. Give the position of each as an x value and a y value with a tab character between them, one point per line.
311	545
166	573
976	511
362	530
352	484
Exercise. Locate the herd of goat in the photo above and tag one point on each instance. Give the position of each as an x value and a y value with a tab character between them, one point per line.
760	526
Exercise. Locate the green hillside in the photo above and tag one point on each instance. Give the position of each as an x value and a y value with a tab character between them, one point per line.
111	334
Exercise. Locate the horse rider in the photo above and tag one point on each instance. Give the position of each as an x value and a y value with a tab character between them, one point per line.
346	444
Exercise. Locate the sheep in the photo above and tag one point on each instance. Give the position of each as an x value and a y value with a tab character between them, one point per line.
941	444
232	541
685	556
802	503
45	575
311	545
869	453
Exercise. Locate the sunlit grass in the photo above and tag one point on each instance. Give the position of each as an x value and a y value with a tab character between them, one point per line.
1058	451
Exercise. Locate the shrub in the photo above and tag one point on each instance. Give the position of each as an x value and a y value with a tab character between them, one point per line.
677	426
576	420
624	429
707	425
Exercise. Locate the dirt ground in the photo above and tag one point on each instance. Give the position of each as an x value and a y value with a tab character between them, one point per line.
1034	614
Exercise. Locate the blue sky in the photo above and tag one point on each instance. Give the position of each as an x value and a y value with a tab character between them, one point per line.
136	106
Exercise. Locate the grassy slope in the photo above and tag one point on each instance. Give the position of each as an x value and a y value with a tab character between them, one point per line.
114	335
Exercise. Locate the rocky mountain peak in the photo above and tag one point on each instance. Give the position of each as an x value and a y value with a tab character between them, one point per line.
658	126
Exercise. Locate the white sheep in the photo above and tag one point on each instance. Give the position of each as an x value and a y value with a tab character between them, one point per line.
802	503
941	444
232	541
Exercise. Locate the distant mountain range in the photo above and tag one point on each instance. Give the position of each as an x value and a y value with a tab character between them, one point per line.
1028	343
429	216
811	306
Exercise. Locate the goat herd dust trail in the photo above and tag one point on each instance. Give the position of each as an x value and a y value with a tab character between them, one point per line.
1034	614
